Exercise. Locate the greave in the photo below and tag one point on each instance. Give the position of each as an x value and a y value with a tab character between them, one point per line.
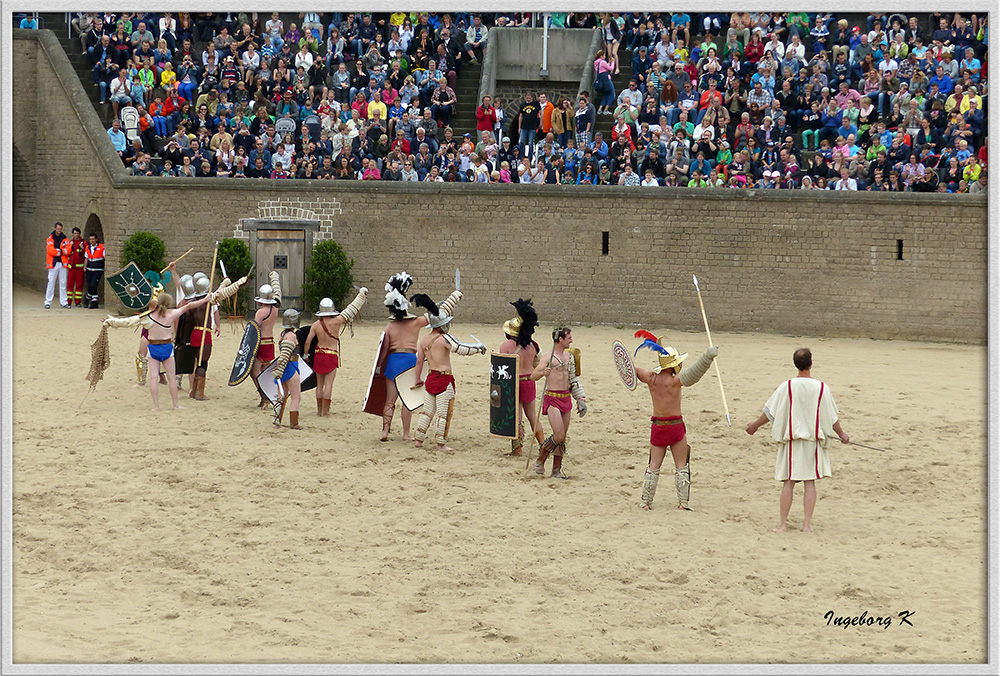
649	483
682	480
141	368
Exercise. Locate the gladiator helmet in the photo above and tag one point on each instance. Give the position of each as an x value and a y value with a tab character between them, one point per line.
266	295
187	287
327	308
290	319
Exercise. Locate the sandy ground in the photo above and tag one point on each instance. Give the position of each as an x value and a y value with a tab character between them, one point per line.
201	535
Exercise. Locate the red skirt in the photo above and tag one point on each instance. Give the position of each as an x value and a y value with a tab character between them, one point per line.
526	388
667	431
266	350
325	362
558	399
196	334
437	382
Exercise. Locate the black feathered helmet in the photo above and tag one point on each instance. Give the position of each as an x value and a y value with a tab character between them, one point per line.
522	326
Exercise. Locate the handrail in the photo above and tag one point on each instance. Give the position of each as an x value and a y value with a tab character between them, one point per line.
587	78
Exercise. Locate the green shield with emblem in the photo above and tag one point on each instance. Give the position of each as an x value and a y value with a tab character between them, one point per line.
132	287
503	395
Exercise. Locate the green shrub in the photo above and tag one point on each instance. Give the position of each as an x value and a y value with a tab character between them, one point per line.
146	249
235	255
328	275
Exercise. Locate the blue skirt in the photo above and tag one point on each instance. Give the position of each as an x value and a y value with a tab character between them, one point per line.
397	362
161	352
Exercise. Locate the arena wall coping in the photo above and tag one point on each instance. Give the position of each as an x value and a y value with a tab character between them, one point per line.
96	133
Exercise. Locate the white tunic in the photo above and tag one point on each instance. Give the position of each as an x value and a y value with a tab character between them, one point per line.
802	414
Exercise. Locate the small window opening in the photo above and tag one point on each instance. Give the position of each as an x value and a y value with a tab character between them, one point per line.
605	242
899	249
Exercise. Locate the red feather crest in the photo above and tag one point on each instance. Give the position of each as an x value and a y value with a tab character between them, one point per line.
642	333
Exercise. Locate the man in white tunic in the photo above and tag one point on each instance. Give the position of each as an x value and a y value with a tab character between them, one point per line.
805	418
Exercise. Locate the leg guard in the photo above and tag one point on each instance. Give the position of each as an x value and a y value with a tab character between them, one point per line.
443	404
293	420
649	486
543	453
682	480
517	444
557	455
141	368
427	412
319	407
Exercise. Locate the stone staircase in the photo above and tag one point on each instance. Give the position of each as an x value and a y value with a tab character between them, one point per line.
56	22
467	91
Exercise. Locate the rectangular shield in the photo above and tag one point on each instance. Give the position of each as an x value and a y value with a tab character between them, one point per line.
504	398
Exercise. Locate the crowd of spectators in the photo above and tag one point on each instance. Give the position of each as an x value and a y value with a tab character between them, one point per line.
765	100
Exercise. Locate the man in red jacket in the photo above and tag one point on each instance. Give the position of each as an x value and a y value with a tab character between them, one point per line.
56	255
74	265
486	117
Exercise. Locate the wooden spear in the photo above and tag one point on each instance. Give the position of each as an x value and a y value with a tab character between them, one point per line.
208	306
716	361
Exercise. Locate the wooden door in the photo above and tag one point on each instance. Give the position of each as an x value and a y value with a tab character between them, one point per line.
284	251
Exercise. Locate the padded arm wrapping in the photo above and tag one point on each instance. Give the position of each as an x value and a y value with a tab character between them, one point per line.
447	306
693	373
575	388
287	349
352	310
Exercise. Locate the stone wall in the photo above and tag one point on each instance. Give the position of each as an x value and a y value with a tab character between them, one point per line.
520	53
816	264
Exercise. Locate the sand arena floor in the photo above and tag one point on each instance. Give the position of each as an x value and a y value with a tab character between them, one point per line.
201	535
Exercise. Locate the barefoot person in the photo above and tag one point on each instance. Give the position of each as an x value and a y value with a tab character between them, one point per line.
667	429
439	390
804	418
519	331
160	323
269	299
326	332
559	368
399	348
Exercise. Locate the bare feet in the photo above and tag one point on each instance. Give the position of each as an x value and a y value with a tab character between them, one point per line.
445	449
780	528
407	437
385	433
557	474
539	469
177	408
685	509
514	454
277	426
646	507
156	409
807	529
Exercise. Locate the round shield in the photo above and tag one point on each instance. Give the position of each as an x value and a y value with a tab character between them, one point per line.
624	364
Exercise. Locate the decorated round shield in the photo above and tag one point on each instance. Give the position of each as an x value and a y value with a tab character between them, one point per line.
624	364
131	287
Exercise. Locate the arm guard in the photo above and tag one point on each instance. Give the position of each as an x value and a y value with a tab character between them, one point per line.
226	289
447	306
287	349
126	322
464	349
693	373
351	311
275	284
575	388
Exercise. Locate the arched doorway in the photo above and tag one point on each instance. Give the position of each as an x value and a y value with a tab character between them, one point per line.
94	226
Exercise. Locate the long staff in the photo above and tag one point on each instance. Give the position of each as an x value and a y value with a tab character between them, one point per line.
717	372
854	443
208	307
178	259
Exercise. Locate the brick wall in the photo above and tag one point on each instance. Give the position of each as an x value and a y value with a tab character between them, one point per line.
825	264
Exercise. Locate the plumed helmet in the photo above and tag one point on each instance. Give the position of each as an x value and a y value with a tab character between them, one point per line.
327	308
202	285
266	295
395	295
187	286
290	319
670	359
